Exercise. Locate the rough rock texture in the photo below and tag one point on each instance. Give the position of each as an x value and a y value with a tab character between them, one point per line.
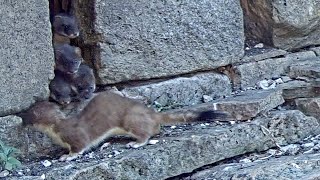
243	106
285	24
148	39
26	54
258	54
299	89
309	106
299	167
250	73
316	50
31	143
309	68
184	91
250	104
182	151
10	130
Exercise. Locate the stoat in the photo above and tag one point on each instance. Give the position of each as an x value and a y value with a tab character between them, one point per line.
106	114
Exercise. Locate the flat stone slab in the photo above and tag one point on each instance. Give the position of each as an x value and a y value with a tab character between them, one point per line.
309	68
304	166
27	59
148	39
244	106
309	106
299	89
182	150
251	73
258	54
183	91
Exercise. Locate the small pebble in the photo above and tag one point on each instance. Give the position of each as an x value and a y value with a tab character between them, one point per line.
173	127
46	163
279	81
116	153
153	141
291	149
246	160
232	122
308	145
4	173
260	45
207	98
43	176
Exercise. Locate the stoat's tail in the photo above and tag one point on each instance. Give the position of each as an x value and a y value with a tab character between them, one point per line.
191	116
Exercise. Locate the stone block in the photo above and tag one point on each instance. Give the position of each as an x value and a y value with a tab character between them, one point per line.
257	54
244	106
251	73
27	59
309	106
309	68
285	24
299	89
183	91
303	166
137	40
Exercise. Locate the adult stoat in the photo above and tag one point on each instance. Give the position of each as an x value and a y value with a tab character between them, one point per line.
106	114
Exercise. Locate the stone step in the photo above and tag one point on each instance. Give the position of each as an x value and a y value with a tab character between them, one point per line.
299	89
309	106
309	68
298	167
243	106
181	150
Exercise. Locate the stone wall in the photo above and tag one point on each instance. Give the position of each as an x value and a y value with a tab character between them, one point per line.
26	61
172	53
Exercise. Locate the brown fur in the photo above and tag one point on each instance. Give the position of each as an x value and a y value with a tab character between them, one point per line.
107	114
67	58
65	27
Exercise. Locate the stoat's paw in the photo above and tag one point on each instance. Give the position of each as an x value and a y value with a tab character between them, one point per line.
134	145
69	157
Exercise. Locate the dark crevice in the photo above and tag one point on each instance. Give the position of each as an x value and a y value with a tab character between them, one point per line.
257	22
187	176
88	40
134	83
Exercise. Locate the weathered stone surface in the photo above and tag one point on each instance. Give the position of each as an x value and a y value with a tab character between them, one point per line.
244	106
184	91
285	24
26	54
315	50
251	103
148	39
299	89
250	73
257	54
299	167
182	151
31	143
10	130
309	106
309	68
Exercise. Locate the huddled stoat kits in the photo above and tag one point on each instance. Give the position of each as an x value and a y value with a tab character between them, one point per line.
73	79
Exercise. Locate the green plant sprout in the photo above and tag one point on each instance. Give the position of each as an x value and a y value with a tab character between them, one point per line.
7	159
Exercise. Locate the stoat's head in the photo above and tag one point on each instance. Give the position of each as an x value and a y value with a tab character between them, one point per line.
42	113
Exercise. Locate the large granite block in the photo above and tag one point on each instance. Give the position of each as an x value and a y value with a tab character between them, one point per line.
136	40
26	61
